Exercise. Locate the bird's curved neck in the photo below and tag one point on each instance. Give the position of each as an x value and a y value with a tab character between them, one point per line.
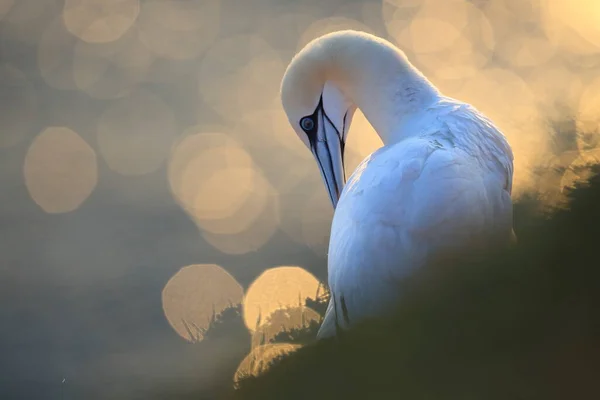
385	87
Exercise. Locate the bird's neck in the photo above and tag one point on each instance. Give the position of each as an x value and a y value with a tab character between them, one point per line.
387	89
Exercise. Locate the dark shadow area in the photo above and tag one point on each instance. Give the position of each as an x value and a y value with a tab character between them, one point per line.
521	324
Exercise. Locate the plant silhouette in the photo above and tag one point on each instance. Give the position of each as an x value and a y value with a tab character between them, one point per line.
520	324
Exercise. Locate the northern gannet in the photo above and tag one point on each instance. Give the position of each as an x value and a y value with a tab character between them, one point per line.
441	182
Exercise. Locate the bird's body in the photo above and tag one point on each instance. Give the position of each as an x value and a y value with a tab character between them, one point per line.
441	183
409	202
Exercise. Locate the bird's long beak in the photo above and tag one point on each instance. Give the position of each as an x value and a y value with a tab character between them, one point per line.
328	149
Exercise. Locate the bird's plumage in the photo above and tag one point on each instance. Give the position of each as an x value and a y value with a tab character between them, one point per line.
445	187
441	183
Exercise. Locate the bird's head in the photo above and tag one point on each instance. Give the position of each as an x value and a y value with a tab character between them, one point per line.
338	72
319	110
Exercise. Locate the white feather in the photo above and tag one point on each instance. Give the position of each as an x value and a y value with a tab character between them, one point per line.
441	182
443	187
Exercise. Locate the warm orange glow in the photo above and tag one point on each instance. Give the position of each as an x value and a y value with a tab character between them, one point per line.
328	25
573	24
362	140
217	183
578	171
194	293
275	289
257	362
588	117
505	98
284	320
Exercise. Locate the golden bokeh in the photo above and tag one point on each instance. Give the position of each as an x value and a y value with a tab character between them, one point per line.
549	184
179	29
284	320
211	182
450	40
579	170
60	170
135	133
287	161
328	25
505	98
240	75
224	192
254	235
100	21
523	51
260	358
574	25
197	156
588	117
437	25
274	289
510	17
216	181
195	294
19	105
397	17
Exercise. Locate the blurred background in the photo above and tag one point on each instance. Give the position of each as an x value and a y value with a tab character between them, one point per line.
150	179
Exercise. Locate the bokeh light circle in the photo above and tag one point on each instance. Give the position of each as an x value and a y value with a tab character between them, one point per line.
216	181
274	289
195	294
572	24
60	170
100	21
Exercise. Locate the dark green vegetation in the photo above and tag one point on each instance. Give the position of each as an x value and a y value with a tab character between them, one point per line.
524	324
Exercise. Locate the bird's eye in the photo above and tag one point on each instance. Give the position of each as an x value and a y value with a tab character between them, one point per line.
307	124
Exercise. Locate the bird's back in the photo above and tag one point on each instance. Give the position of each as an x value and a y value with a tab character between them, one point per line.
444	187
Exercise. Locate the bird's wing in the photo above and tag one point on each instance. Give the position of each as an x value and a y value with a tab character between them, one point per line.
404	205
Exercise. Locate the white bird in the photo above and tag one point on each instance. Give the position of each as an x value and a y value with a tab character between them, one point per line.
441	182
